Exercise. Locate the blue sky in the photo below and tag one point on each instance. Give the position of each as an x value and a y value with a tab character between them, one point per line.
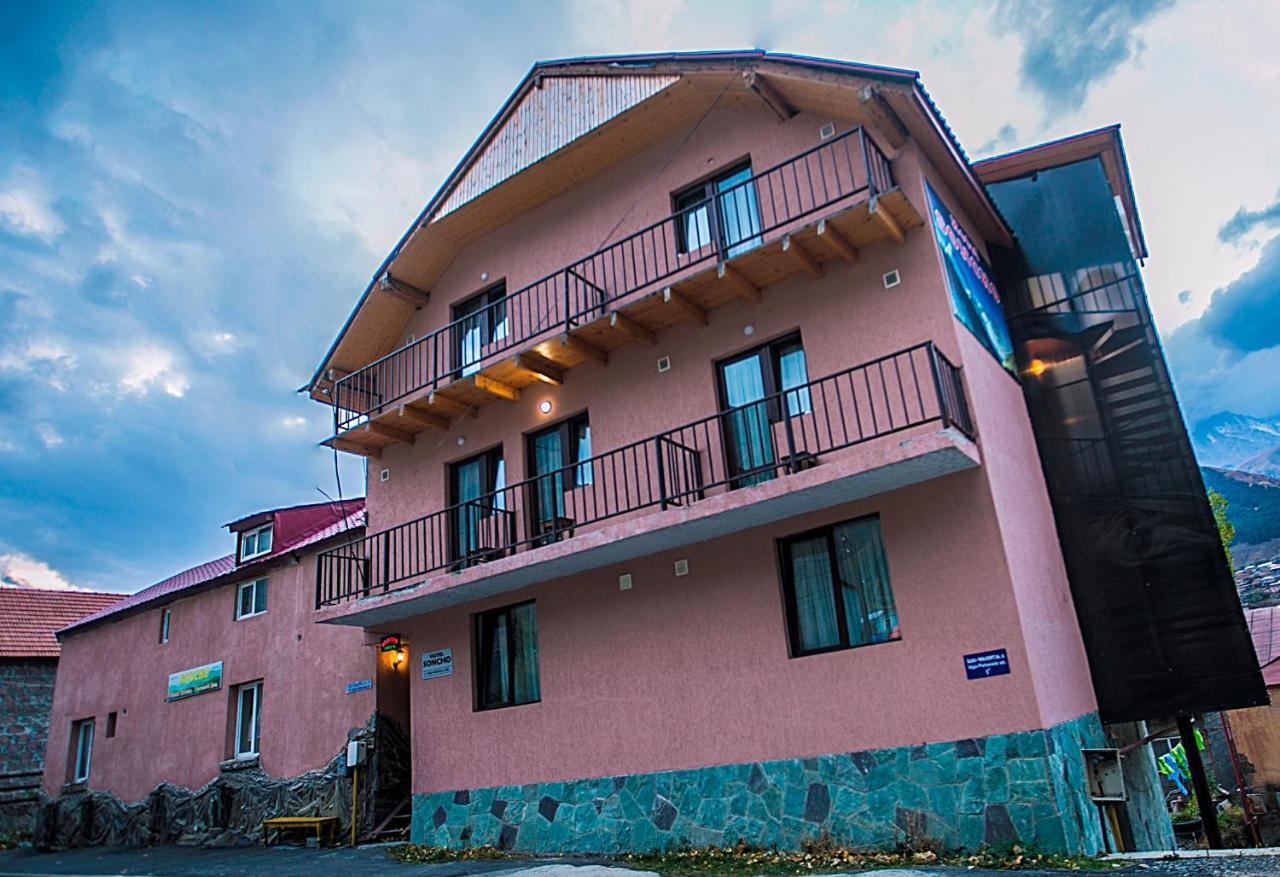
193	195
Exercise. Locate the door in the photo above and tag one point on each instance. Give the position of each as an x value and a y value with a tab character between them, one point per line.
752	385
737	213
478	523
478	323
559	460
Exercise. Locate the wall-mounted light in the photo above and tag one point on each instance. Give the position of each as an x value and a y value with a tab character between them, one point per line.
545	406
1037	367
484	276
462	440
749	329
397	657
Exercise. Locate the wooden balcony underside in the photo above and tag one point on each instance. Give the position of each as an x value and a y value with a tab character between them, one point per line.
837	237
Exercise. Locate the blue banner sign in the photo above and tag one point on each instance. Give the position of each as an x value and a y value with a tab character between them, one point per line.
985	664
974	297
361	685
437	663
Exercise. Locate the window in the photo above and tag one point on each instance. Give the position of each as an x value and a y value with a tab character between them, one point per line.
733	196
479	321
506	642
556	460
82	737
480	524
749	384
248	719
836	584
111	724
251	598
255	542
165	615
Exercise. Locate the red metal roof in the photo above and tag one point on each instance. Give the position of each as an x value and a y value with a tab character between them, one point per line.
295	527
29	617
1264	627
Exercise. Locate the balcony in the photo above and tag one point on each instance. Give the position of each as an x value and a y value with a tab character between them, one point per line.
821	443
816	207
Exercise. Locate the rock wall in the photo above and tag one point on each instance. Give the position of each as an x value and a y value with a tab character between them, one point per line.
1025	787
26	696
229	810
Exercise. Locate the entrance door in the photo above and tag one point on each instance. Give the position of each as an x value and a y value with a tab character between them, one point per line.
478	525
556	463
736	208
749	388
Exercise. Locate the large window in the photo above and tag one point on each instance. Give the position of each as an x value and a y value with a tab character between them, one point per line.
836	583
82	740
479	322
556	461
732	197
248	719
506	657
749	384
251	598
255	542
480	525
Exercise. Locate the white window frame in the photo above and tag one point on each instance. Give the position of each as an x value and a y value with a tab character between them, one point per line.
253	584
256	533
83	730
165	617
255	718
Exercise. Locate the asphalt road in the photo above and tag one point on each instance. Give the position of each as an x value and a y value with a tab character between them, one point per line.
300	862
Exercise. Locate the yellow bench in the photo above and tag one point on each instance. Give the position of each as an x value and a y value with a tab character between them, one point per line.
284	823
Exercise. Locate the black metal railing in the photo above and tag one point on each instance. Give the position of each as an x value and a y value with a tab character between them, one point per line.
786	432
763	207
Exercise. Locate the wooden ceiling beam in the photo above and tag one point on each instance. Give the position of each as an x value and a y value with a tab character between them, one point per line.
624	325
801	256
691	311
450	406
350	447
583	348
403	291
887	122
547	372
767	93
741	285
496	388
888	223
837	241
388	432
425	419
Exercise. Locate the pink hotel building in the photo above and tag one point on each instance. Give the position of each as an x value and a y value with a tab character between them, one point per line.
719	488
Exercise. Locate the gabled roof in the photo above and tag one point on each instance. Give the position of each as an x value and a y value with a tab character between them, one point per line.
1104	143
1264	628
29	617
619	104
302	527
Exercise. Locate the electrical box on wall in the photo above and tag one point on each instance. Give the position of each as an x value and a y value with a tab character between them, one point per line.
357	753
1104	775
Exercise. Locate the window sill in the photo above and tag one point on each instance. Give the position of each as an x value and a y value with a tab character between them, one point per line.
240	762
250	615
74	788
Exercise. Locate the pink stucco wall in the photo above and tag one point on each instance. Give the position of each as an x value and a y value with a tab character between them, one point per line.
121	666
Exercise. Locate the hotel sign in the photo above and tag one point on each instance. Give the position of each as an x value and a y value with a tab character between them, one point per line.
197	680
437	663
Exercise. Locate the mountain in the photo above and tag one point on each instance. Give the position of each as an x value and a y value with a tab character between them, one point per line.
1239	442
1253	506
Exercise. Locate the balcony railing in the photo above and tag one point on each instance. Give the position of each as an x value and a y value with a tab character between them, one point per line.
734	220
737	447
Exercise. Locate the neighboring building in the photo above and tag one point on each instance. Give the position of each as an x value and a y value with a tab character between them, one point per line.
1257	731
218	673
28	664
1259	583
706	493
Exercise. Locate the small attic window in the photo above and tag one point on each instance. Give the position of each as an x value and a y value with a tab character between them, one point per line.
255	542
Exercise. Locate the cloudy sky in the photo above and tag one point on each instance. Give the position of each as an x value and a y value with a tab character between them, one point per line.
193	195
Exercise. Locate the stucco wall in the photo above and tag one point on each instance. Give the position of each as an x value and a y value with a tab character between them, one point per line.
1257	735
121	666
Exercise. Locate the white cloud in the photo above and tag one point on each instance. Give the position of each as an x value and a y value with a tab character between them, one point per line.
49	435
149	367
49	359
25	208
293	422
22	571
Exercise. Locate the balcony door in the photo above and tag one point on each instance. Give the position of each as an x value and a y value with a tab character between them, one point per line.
749	384
737	212
479	523
556	456
479	322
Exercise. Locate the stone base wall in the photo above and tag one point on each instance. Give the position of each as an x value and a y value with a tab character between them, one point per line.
26	697
1026	787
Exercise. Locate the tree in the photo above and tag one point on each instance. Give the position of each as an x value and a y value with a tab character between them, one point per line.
1226	529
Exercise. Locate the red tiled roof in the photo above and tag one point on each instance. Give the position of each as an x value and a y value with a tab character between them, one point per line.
29	617
1264	627
299	527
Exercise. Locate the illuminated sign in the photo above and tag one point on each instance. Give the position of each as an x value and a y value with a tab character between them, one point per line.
389	643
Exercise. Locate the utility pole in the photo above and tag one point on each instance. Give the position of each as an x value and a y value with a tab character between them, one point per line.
1200	782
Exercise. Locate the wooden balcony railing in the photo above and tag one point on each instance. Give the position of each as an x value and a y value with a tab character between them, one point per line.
737	447
843	170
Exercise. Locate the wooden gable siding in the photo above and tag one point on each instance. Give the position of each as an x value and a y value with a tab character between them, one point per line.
552	115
